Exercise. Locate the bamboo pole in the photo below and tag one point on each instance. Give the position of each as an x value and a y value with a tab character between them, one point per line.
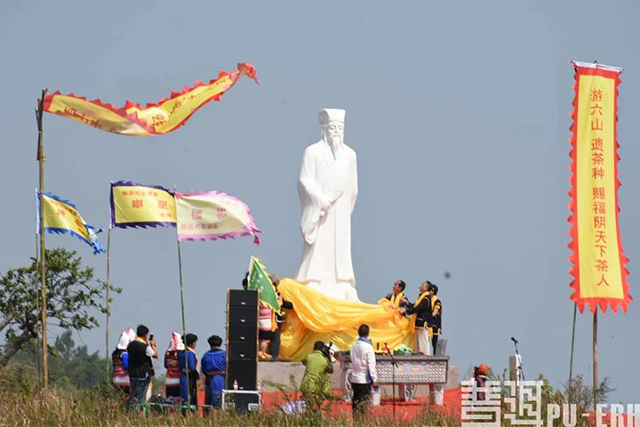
184	327
595	359
108	314
573	338
43	268
37	350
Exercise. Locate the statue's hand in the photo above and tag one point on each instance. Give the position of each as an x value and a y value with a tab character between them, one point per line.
326	205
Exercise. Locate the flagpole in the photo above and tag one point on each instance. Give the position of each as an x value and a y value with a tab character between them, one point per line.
595	360
107	302
43	268
184	325
573	338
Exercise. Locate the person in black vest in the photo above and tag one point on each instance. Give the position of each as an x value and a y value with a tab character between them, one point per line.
397	297
435	322
140	350
421	311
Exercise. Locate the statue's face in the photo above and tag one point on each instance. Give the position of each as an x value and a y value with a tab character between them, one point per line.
335	132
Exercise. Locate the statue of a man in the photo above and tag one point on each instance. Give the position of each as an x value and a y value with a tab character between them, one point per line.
328	188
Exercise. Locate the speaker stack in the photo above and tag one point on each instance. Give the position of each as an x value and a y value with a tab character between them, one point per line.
242	339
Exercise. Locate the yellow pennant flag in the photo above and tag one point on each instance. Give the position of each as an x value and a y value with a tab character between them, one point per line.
136	205
61	217
156	119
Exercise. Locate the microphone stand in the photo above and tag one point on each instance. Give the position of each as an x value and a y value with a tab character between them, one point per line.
515	343
393	379
519	371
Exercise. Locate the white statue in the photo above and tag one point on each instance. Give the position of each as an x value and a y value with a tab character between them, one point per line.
328	188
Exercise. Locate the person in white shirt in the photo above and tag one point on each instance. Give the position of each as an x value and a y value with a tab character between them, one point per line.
363	371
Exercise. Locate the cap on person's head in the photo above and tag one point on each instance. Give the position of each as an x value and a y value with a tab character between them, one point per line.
363	330
331	114
142	331
483	369
190	339
214	341
319	345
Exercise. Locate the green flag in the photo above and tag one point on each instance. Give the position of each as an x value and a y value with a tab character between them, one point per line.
259	280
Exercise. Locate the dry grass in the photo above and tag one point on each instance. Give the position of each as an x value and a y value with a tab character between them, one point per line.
102	406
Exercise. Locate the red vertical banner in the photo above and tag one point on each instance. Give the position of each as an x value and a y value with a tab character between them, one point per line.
599	265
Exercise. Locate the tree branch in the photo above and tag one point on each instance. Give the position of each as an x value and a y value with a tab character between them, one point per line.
5	321
13	347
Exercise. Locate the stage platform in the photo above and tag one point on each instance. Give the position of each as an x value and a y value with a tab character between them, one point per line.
280	372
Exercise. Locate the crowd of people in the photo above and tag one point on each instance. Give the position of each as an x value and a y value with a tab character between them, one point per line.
426	315
133	367
425	312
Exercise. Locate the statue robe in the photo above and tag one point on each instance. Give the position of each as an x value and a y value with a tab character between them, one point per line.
326	256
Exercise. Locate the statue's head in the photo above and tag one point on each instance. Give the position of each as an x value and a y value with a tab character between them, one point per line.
332	123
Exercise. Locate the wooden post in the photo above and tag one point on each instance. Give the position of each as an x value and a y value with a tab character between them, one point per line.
573	338
107	303
43	267
595	359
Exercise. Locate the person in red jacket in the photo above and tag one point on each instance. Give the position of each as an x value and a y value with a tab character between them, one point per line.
120	361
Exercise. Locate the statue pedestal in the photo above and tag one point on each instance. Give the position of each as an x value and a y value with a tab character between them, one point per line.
280	372
410	372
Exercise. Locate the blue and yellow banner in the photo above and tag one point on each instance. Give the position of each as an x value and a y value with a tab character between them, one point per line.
136	205
61	217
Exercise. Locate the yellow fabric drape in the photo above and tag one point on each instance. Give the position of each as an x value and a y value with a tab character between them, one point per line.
316	317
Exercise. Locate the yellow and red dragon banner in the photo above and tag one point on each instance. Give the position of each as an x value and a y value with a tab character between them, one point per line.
132	120
599	264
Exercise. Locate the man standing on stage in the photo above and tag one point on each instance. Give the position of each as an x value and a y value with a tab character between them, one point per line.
397	297
363	371
421	311
435	322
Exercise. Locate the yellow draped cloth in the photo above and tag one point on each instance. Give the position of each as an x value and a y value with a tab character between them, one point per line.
316	317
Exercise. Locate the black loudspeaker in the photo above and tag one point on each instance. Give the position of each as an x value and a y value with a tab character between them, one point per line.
242	298
241	332
242	339
244	372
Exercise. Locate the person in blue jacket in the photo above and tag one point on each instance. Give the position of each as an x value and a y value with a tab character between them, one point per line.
192	395
214	364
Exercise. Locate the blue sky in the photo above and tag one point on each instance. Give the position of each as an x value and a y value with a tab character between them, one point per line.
459	113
